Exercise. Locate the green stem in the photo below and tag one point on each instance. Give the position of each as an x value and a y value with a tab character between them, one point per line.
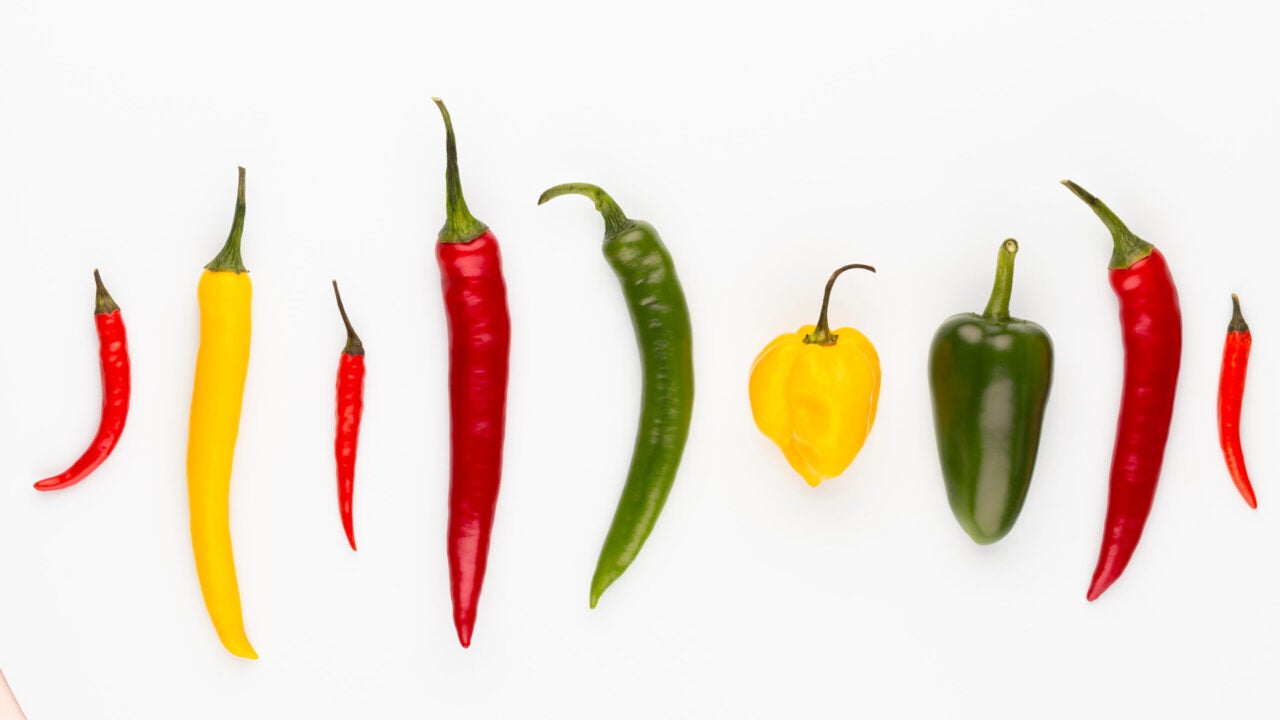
228	259
998	305
354	346
821	334
614	220
1128	248
104	305
460	225
1237	319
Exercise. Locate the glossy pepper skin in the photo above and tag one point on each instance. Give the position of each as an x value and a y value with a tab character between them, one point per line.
475	300
1151	325
113	359
1235	366
989	375
814	393
349	409
664	337
221	366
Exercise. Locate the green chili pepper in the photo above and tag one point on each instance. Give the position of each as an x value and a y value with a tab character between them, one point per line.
665	338
990	377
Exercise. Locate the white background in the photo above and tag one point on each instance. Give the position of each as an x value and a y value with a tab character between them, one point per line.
769	145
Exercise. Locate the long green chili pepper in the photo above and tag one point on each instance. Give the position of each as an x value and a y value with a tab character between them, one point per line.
665	338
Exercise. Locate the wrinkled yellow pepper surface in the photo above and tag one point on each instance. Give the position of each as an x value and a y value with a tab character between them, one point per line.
814	393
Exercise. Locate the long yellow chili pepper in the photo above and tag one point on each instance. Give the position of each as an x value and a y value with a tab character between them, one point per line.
221	365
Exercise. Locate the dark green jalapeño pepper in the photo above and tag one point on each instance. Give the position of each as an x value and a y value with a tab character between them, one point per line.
990	376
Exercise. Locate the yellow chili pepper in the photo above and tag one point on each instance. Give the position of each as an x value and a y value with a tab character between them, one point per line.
814	392
221	365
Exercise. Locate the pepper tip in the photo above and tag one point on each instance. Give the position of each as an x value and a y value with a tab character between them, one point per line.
1246	492
246	651
598	585
1096	590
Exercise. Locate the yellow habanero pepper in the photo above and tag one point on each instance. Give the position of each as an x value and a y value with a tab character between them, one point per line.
221	365
814	393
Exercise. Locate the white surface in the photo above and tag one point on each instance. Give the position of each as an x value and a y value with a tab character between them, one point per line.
769	146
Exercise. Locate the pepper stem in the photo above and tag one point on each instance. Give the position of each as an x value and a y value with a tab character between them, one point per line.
104	305
1237	320
354	346
460	225
1128	248
998	305
821	334
228	259
614	220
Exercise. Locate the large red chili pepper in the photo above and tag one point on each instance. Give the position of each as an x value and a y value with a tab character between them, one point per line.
113	357
475	299
1151	321
350	406
1235	365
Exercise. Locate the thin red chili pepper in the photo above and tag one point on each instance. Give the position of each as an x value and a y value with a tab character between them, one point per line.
113	357
475	299
1151	321
1235	365
350	407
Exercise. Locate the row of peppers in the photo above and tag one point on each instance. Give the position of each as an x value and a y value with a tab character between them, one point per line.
479	332
813	392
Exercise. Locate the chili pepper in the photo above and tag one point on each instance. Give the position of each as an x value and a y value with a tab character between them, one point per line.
475	300
113	358
814	393
221	365
350	406
1235	364
989	375
664	336
1151	322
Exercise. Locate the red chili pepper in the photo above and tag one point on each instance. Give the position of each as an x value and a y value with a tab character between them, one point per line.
475	299
1235	364
349	409
1151	321
113	357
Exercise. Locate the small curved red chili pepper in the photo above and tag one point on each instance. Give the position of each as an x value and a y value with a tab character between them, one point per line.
350	407
113	357
1235	364
475	300
1151	321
